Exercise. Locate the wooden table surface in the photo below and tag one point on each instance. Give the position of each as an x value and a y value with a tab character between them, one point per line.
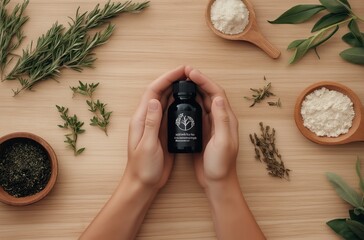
144	46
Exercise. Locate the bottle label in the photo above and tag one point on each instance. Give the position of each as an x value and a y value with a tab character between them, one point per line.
185	123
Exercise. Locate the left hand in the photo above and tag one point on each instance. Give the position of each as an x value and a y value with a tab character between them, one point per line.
149	161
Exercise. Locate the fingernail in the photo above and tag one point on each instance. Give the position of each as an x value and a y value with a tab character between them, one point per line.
220	102
153	105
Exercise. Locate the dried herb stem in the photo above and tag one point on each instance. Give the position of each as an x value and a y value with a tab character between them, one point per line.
260	94
267	152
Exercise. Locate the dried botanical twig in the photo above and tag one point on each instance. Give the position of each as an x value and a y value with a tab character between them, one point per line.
260	94
276	104
267	152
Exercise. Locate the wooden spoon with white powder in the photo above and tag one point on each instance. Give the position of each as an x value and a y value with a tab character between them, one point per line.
225	11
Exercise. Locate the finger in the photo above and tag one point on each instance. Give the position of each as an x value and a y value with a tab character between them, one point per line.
208	86
156	90
221	118
152	124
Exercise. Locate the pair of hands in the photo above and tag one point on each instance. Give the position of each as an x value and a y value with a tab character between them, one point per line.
149	161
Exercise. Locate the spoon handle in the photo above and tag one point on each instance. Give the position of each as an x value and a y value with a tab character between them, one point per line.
260	41
358	136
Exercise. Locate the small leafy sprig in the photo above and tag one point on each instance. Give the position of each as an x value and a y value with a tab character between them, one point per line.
351	228
72	48
72	123
11	35
262	93
339	12
101	117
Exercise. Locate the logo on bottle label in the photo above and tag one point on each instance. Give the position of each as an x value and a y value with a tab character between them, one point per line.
185	122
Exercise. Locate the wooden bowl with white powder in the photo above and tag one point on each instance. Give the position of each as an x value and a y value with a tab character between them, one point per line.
236	20
330	113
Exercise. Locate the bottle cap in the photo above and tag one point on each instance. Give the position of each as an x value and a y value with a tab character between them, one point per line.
184	87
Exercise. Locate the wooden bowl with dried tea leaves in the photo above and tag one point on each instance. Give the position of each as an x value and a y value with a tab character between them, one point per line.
356	131
28	168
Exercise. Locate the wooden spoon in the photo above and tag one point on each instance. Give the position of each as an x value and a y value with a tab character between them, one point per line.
250	34
356	132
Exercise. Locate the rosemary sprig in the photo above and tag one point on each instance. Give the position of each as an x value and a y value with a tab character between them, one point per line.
68	48
260	94
266	151
11	35
72	123
101	117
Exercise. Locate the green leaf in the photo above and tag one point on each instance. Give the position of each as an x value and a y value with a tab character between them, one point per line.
79	151
298	14
356	217
295	44
352	40
357	228
311	42
328	20
353	55
358	172
340	227
354	29
336	6
345	192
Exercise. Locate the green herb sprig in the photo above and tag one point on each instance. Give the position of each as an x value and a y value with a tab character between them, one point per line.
351	228
101	117
11	35
267	152
70	48
72	123
338	12
259	94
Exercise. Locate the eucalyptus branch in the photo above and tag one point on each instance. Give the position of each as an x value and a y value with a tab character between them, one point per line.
69	48
339	12
101	117
72	123
11	35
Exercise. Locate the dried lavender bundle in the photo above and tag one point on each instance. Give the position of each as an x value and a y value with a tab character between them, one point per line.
267	152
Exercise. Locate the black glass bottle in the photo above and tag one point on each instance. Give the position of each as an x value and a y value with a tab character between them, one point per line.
184	119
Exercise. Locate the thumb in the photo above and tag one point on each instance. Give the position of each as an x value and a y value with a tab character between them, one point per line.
152	122
221	118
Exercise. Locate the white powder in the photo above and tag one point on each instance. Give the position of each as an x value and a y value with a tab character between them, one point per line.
229	16
327	112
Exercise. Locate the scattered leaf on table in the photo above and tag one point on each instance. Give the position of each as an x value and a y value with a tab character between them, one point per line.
353	55
358	171
328	20
357	228
298	14
340	227
336	6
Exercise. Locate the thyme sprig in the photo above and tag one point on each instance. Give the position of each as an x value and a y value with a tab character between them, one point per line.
101	117
260	94
71	48
72	123
267	152
11	35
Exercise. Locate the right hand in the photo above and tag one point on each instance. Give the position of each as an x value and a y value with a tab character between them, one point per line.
217	162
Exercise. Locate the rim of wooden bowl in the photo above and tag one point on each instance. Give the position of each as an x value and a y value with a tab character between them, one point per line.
14	201
344	138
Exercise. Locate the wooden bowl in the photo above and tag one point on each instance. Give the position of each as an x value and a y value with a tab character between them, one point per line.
11	200
356	132
250	34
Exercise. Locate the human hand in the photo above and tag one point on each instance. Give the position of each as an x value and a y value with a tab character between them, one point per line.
148	159
217	163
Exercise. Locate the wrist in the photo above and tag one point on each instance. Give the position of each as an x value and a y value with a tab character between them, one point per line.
136	188
221	189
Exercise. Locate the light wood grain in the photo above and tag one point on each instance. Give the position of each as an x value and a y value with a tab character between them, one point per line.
144	46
